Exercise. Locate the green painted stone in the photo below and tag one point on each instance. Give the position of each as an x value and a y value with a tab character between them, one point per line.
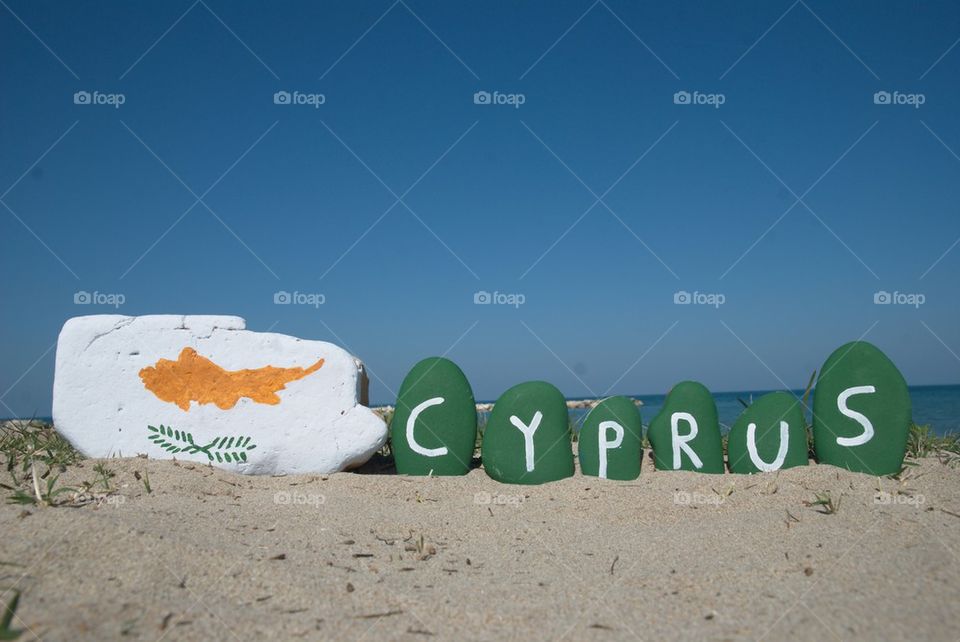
778	439
542	451
689	404
861	411
434	427
609	440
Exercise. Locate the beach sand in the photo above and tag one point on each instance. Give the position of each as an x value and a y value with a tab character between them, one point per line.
209	555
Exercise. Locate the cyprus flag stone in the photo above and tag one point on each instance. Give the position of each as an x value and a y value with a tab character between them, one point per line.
202	388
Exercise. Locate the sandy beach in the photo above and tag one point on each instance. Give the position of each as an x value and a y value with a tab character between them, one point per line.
210	555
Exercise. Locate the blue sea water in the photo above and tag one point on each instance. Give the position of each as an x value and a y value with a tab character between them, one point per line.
937	406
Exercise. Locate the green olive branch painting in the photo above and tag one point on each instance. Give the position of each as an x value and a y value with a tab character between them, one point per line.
221	449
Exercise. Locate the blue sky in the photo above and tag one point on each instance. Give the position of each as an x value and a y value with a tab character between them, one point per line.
597	199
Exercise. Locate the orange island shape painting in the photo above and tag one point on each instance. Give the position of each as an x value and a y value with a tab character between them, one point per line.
195	378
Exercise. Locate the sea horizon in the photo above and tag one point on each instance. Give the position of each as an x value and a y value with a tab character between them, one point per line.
935	405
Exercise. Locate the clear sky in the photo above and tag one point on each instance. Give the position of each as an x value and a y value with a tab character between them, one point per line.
586	185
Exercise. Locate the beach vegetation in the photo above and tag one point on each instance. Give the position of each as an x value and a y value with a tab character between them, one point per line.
923	442
825	503
7	632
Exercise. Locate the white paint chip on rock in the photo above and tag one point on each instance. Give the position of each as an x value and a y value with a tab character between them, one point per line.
205	389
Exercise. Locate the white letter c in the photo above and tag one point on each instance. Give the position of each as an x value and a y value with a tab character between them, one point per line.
412	419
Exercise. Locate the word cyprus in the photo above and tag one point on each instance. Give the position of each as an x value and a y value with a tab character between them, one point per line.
206	389
861	416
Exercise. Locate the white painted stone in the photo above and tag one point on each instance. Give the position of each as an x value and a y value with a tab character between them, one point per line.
103	406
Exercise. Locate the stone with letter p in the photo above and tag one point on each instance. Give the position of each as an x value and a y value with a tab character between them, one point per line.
609	441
